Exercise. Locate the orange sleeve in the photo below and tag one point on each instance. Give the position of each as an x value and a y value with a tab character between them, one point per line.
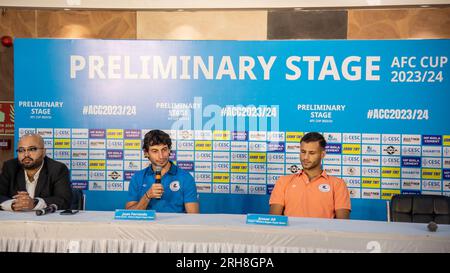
341	195
277	195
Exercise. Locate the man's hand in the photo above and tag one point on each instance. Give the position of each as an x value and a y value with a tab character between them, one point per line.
22	202
156	191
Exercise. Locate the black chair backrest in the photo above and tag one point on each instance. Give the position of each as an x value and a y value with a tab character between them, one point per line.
420	208
77	200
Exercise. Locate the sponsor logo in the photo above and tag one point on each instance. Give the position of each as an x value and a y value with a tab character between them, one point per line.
446	174
293	169
115	175
332	137
222	145
239	178
221	188
174	186
45	132
352	138
114	165
239	135
275	136
446	151
270	189
114	133
257	157
275	147
411	161
49	153
411	150
371	149
352	181
370	194
258	146
185	135
333	148
239	167
333	170
431	185
132	165
371	138
132	144
221	135
257	178
354	193
391	150
79	154
114	186
390	172
257	168
203	156
114	144
80	133
61	154
62	133
203	145
62	143
431	151
221	178
351	159
371	171
351	170
132	133
172	155
203	135
221	156
293	158
204	188
324	187
97	133
446	187
128	175
294	136
239	189
97	186
332	159
80	164
446	163
292	147
185	156
387	194
393	161
410	173
446	140
257	189
203	166
352	149
79	175
431	140
221	167
80	143
114	154
431	162
273	178
239	146
371	160
411	184
390	183
431	174
275	168
275	157
203	177
97	154
390	139
186	165
26	131
185	145
239	157
370	182
97	175
82	185
48	142
97	143
97	164
257	135
411	139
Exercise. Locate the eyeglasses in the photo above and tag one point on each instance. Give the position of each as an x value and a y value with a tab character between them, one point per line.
30	150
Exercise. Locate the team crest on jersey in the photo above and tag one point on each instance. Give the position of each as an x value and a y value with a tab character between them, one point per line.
324	187
175	186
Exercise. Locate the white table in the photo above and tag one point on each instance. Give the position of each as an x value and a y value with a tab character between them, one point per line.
97	231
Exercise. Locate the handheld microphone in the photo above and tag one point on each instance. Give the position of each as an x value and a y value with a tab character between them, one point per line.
49	209
158	174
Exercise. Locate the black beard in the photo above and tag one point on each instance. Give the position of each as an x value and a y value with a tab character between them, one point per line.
33	165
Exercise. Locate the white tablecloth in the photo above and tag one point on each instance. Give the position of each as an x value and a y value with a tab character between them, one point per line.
97	231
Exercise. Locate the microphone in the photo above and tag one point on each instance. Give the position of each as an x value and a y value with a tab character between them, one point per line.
432	226
158	174
49	209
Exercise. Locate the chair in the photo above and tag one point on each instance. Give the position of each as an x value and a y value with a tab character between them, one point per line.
77	200
420	208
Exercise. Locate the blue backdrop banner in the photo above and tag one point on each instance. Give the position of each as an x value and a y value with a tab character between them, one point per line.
236	111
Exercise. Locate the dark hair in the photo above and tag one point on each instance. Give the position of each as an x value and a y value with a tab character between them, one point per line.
313	137
156	137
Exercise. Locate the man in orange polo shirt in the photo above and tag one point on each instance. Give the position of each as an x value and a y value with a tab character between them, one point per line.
311	192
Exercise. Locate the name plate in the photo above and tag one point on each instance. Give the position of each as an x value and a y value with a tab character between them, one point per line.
123	214
267	219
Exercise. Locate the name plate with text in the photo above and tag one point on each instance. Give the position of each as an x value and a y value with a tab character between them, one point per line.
267	219
123	214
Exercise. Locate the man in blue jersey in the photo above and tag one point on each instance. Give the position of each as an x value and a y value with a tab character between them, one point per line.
176	192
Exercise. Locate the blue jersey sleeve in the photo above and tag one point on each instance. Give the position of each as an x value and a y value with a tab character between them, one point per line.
133	189
190	190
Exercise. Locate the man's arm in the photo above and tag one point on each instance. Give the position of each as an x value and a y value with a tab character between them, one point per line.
342	214
192	207
276	209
